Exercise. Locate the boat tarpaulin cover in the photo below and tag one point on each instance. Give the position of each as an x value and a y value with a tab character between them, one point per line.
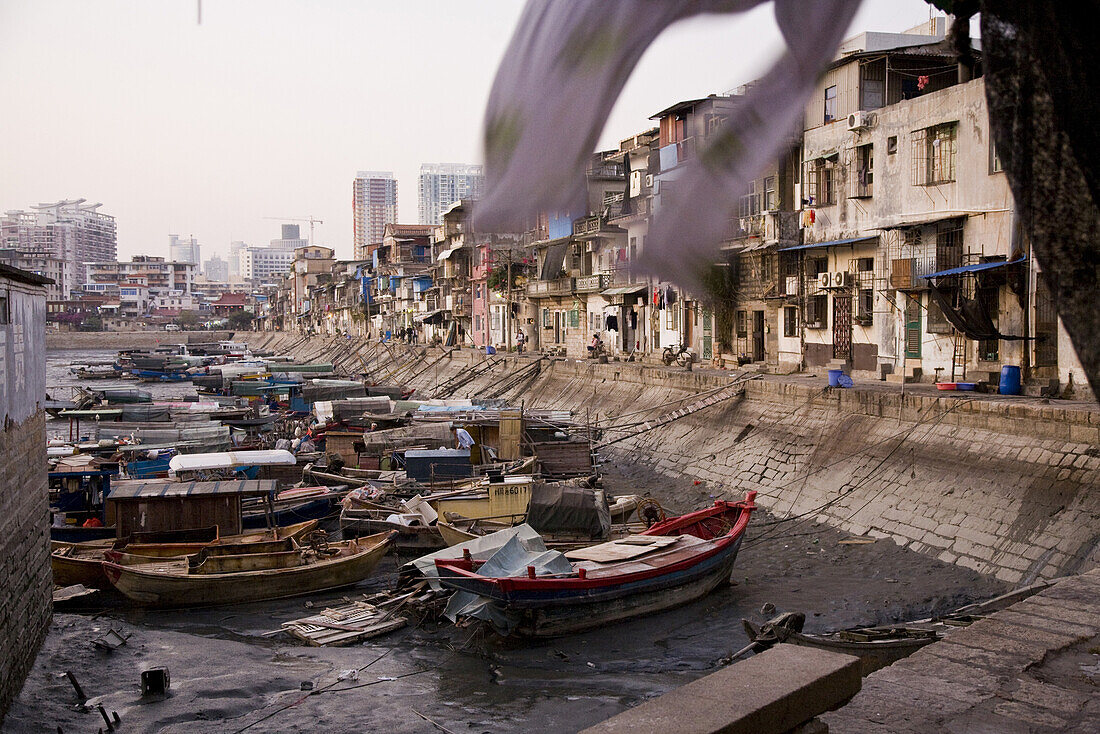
481	547
567	508
153	489
230	459
511	561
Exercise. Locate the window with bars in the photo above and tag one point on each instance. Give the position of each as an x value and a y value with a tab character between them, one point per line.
934	152
821	181
937	322
742	324
790	321
949	244
863	176
866	306
817	308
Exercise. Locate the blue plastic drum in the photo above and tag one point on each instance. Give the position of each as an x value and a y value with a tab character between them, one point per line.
1010	380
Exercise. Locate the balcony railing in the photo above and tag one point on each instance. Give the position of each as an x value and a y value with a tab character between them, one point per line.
556	287
908	273
587	225
591	283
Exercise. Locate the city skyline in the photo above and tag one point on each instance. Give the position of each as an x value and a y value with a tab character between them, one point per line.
272	134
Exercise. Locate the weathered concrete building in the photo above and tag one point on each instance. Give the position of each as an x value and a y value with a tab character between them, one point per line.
913	265
25	579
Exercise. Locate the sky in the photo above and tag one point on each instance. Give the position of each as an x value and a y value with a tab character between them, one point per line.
269	107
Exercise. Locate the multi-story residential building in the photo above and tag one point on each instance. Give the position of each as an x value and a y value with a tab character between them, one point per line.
160	276
216	269
442	184
184	249
260	264
312	266
374	205
60	237
403	282
59	271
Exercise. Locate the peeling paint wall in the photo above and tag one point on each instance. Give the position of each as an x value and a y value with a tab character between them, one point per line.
26	583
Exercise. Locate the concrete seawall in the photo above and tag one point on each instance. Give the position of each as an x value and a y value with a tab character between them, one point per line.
1003	486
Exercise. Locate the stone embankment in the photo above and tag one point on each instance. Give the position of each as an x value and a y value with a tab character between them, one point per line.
1002	486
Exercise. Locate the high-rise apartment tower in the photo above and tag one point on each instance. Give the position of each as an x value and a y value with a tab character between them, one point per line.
374	205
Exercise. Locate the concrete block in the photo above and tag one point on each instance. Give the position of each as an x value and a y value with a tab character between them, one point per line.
771	692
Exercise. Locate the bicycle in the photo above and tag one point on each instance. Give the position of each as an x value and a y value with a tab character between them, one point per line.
681	355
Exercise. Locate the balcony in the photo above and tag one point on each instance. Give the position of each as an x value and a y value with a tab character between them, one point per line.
591	283
907	274
545	288
587	225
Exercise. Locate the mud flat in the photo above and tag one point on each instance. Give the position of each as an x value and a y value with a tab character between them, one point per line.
226	676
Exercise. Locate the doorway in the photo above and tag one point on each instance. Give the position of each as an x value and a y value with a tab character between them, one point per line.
842	325
757	336
912	326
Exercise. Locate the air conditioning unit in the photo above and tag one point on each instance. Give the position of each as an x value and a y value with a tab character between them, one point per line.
824	280
649	180
859	121
842	279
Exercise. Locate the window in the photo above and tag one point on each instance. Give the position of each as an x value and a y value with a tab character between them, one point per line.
872	83
830	103
546	323
865	315
771	201
865	264
574	319
937	322
742	324
816	266
749	204
934	150
995	165
817	312
790	321
5	311
821	181
892	145
863	176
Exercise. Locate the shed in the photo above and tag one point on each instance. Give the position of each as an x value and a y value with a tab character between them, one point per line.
135	506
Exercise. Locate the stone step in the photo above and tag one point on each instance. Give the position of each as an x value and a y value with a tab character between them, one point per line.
896	379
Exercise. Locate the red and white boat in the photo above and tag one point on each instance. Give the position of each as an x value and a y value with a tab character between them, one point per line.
672	563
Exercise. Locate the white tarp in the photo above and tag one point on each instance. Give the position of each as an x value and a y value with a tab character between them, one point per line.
511	561
481	547
229	460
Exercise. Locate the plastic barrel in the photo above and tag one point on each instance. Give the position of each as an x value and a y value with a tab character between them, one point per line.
834	377
1010	380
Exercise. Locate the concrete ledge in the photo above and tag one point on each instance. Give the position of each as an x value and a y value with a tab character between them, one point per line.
773	692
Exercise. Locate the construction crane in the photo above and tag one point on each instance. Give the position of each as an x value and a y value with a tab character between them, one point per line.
312	221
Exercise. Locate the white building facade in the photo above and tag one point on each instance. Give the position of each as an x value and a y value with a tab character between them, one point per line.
442	184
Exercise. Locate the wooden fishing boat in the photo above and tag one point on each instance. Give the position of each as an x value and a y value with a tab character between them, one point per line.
672	563
414	535
169	584
879	646
82	563
876	647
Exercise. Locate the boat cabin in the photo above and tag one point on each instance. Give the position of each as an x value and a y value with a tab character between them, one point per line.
139	507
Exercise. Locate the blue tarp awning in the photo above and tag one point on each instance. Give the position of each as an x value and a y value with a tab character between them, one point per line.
974	268
831	243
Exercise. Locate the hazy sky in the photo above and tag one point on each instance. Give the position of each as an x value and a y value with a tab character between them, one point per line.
269	107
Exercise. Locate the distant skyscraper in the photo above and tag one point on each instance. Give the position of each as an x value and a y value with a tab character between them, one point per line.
235	248
442	184
291	239
184	249
216	269
374	205
60	237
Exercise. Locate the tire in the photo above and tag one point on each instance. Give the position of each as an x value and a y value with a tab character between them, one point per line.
667	358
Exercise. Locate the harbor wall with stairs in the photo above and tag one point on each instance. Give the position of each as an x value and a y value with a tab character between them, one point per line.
1007	487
